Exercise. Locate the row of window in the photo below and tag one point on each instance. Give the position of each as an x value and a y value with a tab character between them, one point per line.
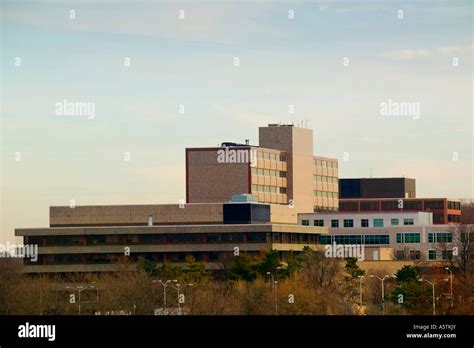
408	238
271	156
268	172
175	238
440	237
454	205
326	179
324	194
392	205
369	239
363	222
325	164
432	254
270	189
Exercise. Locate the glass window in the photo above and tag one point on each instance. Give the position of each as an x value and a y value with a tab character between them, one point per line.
256	237
430	237
325	240
399	237
348	223
432	254
364	223
319	223
415	254
394	222
447	255
378	222
276	237
408	222
334	223
400	255
283	190
255	188
305	222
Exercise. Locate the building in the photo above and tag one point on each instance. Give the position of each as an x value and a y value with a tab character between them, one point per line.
111	238
386	236
444	210
377	188
281	170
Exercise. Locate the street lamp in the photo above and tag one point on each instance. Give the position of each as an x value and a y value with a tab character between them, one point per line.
275	293
79	289
383	289
178	288
450	285
434	300
165	285
360	289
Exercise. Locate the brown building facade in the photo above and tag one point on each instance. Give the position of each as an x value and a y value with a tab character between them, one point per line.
282	170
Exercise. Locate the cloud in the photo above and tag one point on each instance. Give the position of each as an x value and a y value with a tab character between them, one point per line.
420	53
408	54
455	49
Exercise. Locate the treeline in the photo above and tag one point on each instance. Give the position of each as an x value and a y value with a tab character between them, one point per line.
307	284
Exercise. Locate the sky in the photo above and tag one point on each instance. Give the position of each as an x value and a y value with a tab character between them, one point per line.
163	76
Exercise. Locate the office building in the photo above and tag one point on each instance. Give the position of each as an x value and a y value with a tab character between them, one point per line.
281	170
98	238
387	236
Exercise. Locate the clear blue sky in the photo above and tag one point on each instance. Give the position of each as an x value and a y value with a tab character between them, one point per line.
190	62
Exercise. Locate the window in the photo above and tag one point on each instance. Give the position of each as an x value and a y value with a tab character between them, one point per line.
255	188
415	254
412	205
334	223
432	254
348	206
390	205
394	222
412	237
325	240
348	239
369	205
434	205
305	222
440	237
447	255
408	238
283	190
348	223
364	223
258	237
408	222
400	255
378	222
319	223
377	239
